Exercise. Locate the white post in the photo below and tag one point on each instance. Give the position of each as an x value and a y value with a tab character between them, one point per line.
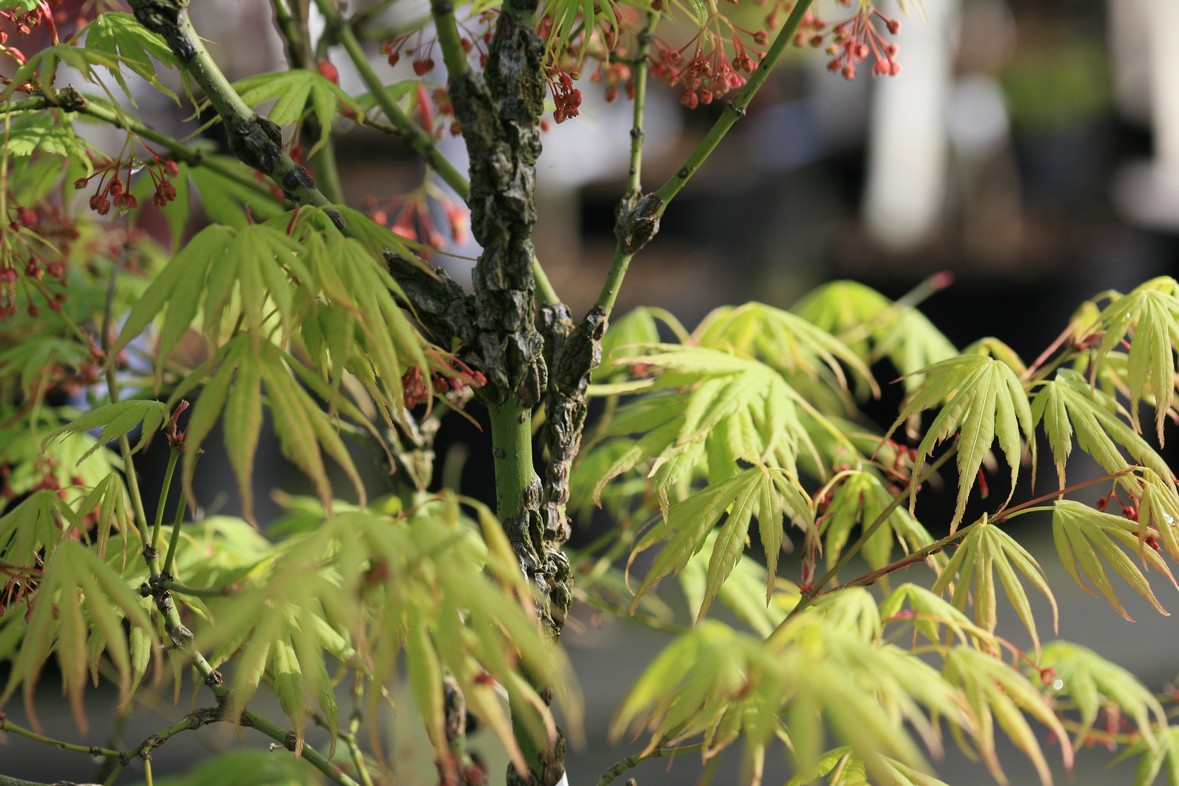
907	147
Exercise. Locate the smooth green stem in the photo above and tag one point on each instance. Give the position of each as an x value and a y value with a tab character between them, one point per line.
165	489
421	142
633	761
310	755
8	726
174	540
511	445
327	173
613	283
737	106
634	181
449	39
198	592
545	293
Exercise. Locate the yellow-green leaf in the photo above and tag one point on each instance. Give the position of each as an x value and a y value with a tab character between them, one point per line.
981	400
1087	540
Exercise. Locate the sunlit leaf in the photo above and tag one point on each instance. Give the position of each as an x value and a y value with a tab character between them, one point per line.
997	692
80	598
704	408
860	499
743	591
1087	540
1150	316
116	420
874	327
1067	405
988	553
981	400
767	494
1094	683
781	340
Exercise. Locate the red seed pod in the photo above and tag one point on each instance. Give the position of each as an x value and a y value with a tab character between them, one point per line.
328	71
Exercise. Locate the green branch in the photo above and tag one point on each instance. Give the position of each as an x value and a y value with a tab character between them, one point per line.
445	27
417	138
256	141
638	218
737	106
633	761
634	183
91	750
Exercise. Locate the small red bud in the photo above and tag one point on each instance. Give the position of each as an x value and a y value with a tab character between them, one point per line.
328	71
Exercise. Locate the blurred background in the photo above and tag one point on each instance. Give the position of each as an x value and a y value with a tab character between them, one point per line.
1030	149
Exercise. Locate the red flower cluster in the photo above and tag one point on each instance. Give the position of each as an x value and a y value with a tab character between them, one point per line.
454	375
566	97
604	44
421	49
412	217
856	38
710	72
23	266
26	21
113	190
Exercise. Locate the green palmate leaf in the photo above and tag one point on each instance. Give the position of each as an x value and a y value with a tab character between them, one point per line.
743	591
116	420
41	66
988	553
28	361
227	274
1094	683
874	327
781	340
859	498
1067	405
433	590
709	410
130	44
25	137
998	692
228	202
1158	512
933	617
1087	540
720	685
1158	755
108	500
59	463
295	93
78	614
1150	314
636	328
244	368
770	495
981	400
842	767
34	528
